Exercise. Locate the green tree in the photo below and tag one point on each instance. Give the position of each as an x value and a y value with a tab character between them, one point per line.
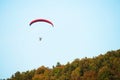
105	74
76	74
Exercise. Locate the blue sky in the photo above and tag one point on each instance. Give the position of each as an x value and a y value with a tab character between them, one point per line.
83	28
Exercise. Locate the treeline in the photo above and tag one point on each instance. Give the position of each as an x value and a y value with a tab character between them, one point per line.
102	67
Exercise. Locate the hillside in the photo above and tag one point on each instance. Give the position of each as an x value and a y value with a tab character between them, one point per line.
102	67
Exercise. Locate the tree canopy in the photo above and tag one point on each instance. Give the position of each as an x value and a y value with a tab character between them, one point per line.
102	67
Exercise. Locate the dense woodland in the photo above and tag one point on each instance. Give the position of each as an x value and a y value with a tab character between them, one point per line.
103	67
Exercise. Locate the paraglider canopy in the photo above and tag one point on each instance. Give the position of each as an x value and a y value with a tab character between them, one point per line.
41	20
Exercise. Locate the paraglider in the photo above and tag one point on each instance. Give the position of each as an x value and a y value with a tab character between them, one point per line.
40	38
41	20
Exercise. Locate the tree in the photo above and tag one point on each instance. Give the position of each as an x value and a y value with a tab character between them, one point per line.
105	74
58	64
90	75
76	74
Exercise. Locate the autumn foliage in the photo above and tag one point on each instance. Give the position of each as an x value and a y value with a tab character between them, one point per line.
102	67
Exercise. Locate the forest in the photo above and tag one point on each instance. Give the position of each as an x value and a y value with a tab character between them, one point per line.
102	67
